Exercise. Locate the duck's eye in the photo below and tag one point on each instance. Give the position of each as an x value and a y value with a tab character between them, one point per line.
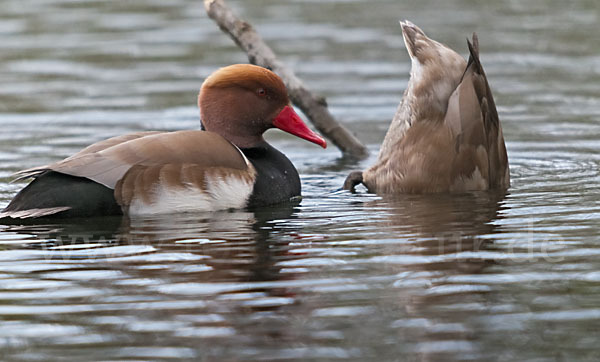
261	92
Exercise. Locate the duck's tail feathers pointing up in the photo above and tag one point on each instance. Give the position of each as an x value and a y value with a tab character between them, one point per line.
412	34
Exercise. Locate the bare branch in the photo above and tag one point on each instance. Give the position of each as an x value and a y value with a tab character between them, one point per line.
261	54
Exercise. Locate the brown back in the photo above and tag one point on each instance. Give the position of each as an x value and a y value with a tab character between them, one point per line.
201	148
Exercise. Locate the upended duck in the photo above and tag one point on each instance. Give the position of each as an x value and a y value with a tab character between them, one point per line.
227	165
445	135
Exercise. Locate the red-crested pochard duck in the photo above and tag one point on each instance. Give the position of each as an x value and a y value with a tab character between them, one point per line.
445	135
226	165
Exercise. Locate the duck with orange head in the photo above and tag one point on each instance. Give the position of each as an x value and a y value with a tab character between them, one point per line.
227	165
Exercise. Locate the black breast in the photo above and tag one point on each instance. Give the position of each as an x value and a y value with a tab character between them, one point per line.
277	179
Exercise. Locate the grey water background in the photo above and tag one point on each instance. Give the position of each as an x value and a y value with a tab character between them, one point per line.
338	276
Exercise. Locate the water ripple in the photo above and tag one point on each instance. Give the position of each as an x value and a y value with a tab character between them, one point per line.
475	276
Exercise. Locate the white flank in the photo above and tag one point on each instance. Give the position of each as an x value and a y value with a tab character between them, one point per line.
230	192
223	193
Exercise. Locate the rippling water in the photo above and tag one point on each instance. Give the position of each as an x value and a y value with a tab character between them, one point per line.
447	277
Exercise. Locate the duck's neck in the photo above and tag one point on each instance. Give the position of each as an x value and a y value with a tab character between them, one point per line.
246	140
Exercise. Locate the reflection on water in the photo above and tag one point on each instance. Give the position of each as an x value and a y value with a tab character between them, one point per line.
251	279
475	276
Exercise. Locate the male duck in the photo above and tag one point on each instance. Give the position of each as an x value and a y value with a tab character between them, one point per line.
227	165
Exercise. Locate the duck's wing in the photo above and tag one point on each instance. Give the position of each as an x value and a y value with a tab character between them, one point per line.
109	165
185	170
497	156
156	173
473	120
96	147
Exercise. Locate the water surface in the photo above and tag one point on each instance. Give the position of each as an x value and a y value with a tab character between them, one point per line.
476	276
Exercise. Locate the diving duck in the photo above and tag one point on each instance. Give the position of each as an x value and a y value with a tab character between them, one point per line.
226	165
445	135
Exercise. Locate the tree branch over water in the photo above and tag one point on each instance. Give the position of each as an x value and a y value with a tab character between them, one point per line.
259	53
